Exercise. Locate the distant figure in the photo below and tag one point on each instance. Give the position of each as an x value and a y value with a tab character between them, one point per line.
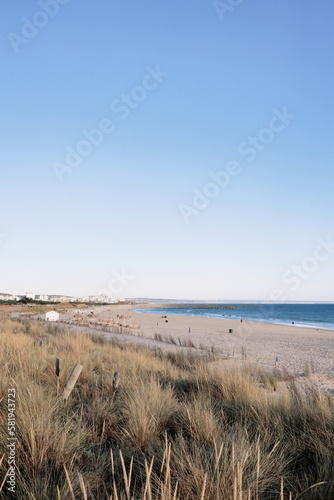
241	320
293	322
189	329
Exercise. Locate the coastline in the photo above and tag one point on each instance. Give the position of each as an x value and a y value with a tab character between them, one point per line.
255	342
295	325
289	318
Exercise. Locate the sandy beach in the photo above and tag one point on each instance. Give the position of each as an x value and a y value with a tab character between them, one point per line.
258	343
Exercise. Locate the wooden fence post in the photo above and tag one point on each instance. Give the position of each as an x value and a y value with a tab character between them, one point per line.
57	374
72	381
115	383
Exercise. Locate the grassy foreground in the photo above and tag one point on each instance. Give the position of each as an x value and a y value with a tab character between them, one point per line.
179	430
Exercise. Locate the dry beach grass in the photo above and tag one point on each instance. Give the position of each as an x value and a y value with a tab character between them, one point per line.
179	430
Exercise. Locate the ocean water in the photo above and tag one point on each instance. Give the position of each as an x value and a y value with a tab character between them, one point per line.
306	315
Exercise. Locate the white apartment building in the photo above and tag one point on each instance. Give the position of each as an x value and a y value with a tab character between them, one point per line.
44	298
8	296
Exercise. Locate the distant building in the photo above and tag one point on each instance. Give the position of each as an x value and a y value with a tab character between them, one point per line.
61	298
52	316
7	296
44	298
83	299
30	295
103	298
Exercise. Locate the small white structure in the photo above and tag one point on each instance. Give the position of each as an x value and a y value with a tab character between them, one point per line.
52	316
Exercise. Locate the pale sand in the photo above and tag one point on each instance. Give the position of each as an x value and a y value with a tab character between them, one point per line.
261	342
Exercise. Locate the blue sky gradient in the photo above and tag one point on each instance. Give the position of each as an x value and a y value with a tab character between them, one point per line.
119	209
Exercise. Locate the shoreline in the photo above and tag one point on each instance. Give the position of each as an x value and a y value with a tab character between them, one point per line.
295	325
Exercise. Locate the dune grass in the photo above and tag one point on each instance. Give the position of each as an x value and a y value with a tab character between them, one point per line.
32	309
179	430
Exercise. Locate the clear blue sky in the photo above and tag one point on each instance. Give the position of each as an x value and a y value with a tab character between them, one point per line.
123	206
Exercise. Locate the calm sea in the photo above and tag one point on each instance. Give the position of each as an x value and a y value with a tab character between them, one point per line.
306	315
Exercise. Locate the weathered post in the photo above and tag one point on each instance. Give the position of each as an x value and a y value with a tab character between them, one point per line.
57	374
69	386
115	383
